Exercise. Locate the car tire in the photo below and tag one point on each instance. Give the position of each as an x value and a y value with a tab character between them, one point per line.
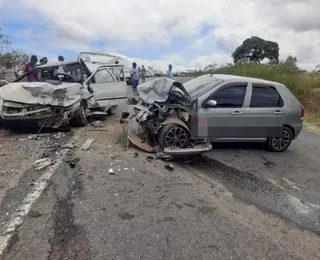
280	144
112	110
80	117
167	134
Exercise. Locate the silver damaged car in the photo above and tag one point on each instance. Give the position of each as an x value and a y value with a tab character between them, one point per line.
218	108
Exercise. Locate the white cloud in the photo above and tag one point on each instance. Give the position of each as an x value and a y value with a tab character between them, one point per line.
293	24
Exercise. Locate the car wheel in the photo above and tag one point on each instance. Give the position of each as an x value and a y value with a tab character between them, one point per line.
280	144
112	110
173	135
80	117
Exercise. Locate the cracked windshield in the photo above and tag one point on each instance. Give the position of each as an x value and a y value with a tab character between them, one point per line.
164	130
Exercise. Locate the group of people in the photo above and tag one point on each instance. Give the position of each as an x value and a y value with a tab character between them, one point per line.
136	72
9	73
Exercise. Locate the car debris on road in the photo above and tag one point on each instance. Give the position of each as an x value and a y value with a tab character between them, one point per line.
42	163
87	145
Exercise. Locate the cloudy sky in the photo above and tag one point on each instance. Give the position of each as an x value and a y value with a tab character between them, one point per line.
184	33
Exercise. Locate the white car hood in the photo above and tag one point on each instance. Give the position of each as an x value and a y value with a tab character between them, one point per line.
42	93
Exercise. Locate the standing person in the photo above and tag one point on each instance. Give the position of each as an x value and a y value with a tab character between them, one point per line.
143	74
9	72
32	77
45	60
169	72
134	77
60	58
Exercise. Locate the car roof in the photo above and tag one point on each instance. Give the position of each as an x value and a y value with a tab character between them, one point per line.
58	63
226	77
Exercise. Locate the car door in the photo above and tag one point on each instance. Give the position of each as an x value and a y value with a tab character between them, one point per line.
221	113
107	90
265	112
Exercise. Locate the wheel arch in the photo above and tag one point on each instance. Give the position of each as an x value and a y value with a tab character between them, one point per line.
292	130
174	120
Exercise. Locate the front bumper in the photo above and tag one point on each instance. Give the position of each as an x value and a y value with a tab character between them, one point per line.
48	117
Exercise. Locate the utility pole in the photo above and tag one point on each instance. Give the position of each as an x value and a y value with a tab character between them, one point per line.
206	63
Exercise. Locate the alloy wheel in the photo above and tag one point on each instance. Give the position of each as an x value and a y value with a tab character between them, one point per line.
176	137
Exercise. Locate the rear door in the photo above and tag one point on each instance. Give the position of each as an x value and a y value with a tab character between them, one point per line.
226	119
266	111
108	90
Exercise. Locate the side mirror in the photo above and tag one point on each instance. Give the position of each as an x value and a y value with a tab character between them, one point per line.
211	103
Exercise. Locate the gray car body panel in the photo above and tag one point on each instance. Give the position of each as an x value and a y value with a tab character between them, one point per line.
241	122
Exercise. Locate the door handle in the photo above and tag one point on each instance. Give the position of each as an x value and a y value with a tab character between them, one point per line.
237	113
278	112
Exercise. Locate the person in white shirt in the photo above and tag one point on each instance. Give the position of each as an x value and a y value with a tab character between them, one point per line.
169	72
134	77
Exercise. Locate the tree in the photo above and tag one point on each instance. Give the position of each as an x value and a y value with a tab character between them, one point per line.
255	50
18	59
211	67
291	59
4	40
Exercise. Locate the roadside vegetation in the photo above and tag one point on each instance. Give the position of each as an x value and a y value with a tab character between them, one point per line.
248	59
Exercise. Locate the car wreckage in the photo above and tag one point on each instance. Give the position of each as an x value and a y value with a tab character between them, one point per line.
163	114
64	93
182	119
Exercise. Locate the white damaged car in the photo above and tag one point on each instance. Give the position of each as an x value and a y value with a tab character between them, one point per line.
63	93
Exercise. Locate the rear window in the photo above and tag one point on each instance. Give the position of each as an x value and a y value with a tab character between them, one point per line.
265	96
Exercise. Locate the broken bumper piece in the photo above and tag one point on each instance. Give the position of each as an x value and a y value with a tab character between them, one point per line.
196	150
176	153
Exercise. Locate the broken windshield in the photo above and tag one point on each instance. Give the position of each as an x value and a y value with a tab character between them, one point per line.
200	85
54	74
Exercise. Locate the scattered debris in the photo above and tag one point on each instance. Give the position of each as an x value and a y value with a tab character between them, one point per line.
126	169
87	145
74	161
33	137
68	146
57	135
97	130
291	184
35	214
135	155
97	123
161	197
169	167
276	184
111	171
163	156
42	163
149	158
112	156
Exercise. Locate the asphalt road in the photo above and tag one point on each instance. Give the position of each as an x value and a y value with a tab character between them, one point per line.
237	202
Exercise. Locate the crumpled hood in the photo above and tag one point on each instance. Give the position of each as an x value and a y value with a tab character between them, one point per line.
158	90
42	93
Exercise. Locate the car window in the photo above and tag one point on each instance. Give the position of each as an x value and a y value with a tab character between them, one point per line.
265	97
230	96
103	76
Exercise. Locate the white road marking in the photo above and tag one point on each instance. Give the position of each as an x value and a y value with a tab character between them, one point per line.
17	218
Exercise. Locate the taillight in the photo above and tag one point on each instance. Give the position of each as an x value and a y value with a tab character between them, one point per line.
302	111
